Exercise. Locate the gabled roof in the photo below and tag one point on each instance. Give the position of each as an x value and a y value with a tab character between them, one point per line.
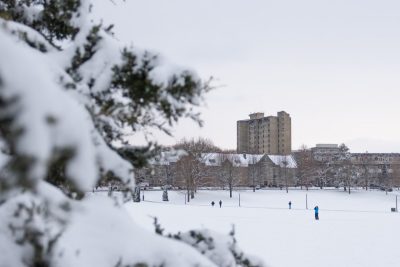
237	160
216	159
244	160
281	161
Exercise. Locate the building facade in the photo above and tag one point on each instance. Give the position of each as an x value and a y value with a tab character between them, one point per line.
372	169
325	152
379	168
246	169
265	135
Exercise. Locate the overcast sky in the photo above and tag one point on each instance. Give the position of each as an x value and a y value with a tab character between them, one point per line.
333	65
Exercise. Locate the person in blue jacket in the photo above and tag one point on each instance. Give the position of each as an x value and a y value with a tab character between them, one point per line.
316	210
290	204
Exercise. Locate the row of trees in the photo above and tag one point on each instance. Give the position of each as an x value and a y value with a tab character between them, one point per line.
190	168
205	165
340	171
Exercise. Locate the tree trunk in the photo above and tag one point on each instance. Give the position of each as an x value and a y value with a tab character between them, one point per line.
286	181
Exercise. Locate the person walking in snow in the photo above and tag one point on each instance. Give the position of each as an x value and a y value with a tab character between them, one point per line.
316	210
290	204
220	203
212	203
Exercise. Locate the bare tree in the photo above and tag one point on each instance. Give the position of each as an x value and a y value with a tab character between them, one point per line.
306	166
168	175
324	173
365	163
227	174
142	174
395	175
346	172
344	167
197	149
386	177
185	172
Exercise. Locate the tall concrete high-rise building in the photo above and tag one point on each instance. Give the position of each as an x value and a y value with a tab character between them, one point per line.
265	135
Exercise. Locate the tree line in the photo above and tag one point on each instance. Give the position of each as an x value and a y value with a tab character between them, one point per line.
340	170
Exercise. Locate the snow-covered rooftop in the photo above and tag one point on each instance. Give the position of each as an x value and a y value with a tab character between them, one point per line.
280	160
215	159
237	160
244	160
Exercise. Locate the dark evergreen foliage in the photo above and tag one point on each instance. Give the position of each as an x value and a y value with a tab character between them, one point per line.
146	103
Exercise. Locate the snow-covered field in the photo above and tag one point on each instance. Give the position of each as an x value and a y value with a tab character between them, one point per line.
353	230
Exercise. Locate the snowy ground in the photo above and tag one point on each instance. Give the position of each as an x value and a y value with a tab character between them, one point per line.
353	230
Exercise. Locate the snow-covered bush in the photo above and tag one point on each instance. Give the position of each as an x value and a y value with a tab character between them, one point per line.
165	195
68	93
220	249
136	194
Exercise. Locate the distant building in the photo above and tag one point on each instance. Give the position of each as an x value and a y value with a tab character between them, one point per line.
248	170
376	158
325	152
374	169
379	167
265	135
268	170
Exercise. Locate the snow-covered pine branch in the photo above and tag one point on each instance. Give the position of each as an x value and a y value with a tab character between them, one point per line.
68	90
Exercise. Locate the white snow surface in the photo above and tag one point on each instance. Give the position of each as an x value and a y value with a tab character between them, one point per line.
356	230
101	234
96	232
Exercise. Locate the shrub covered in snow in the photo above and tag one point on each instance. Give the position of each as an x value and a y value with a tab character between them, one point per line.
68	93
220	249
165	195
